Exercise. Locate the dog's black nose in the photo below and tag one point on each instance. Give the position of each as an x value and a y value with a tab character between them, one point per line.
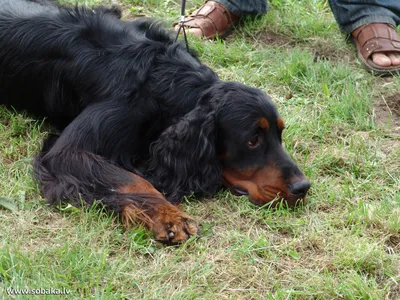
300	187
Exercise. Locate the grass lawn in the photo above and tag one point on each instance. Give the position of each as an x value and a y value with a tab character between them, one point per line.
343	129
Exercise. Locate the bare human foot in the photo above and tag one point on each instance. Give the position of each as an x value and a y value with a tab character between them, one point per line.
386	59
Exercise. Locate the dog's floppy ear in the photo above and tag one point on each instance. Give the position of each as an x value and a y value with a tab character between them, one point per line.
184	159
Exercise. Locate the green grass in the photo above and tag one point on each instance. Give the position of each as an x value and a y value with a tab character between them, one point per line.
344	244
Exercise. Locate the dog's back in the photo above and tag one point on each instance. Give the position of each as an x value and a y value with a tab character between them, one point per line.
17	52
52	58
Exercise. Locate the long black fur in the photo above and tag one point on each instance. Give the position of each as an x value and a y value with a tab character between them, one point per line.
124	96
112	87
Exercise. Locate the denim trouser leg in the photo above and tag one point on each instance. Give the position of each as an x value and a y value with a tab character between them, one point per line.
245	7
351	14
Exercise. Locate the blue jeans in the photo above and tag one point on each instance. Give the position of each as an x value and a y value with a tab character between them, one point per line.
349	14
245	7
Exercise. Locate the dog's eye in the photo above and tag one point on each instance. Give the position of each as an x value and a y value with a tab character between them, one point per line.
253	142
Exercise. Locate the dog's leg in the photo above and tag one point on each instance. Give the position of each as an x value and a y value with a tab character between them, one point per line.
169	224
80	176
67	169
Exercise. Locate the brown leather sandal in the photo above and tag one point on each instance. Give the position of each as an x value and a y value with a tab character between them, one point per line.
376	38
213	19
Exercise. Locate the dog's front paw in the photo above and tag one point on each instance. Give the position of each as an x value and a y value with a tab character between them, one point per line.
172	226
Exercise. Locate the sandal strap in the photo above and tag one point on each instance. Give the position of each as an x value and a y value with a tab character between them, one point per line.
212	18
377	37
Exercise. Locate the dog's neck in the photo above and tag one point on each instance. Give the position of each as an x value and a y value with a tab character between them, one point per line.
186	79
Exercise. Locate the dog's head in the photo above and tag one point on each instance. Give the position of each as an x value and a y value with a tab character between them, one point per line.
249	147
233	138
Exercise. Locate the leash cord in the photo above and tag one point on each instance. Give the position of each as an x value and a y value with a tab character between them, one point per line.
182	26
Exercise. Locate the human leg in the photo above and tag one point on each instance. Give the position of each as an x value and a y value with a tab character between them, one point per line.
372	26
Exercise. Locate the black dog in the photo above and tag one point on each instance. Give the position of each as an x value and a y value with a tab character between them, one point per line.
140	117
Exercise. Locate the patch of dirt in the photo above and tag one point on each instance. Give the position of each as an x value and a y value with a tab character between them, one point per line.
266	38
392	244
287	233
321	49
388	108
324	50
394	292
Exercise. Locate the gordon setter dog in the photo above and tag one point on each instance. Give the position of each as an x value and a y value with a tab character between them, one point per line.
142	122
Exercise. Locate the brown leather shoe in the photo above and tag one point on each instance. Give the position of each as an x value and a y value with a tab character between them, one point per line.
376	38
212	19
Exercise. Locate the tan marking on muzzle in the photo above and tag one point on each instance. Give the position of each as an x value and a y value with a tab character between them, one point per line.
263	185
